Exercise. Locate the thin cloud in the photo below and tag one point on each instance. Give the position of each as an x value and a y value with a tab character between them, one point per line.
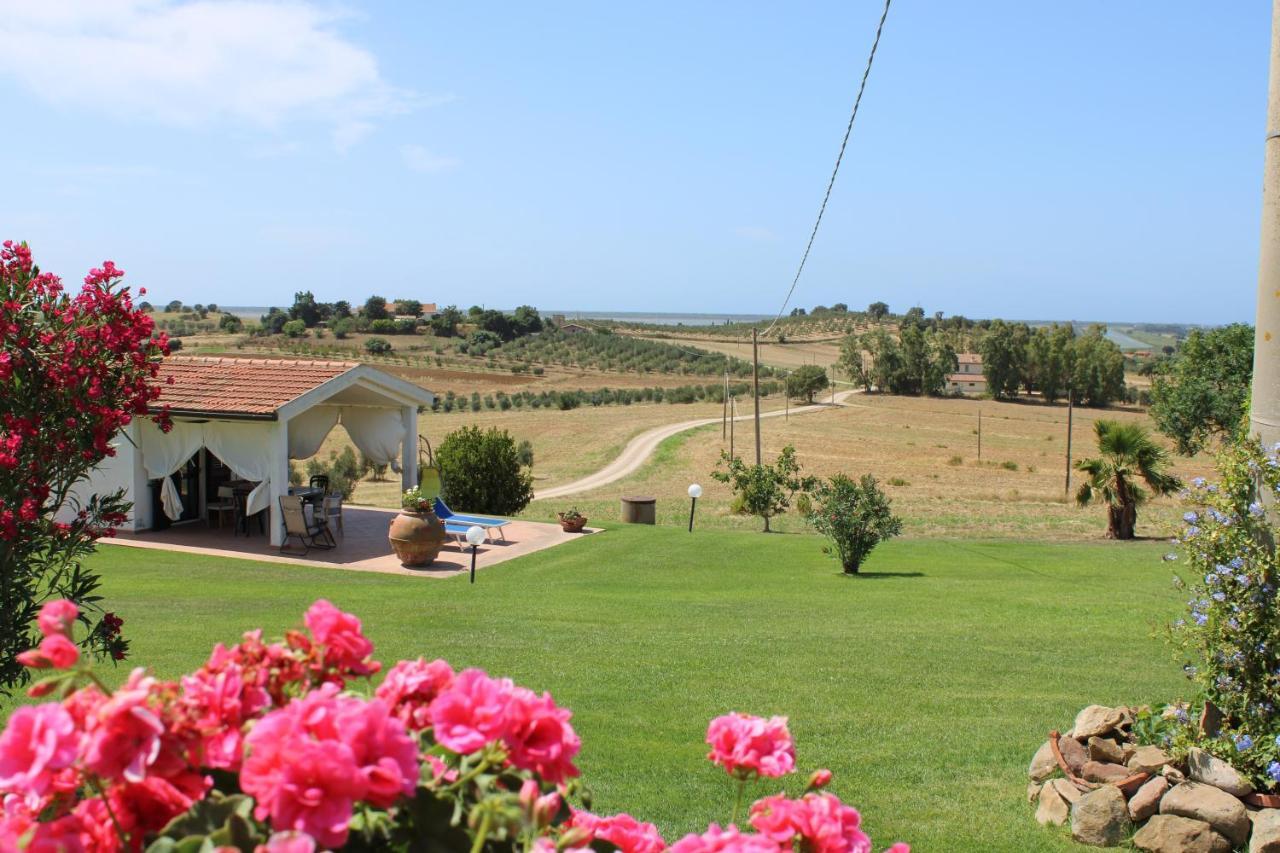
420	159
196	64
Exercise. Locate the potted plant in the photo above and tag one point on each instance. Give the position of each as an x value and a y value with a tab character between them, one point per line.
417	534
572	521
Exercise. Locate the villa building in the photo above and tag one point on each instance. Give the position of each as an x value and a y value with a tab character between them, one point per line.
968	379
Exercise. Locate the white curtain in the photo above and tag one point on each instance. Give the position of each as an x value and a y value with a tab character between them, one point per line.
377	432
245	448
308	430
164	453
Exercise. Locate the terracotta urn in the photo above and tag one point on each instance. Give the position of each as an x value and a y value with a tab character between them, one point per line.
416	537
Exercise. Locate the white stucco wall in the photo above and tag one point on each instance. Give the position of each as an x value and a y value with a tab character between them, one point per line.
122	471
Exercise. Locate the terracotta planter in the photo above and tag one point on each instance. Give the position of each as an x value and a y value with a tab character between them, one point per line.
416	537
573	525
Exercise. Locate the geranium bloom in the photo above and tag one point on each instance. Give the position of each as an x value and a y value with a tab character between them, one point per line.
744	744
728	840
382	749
410	687
39	741
55	651
305	784
821	821
472	712
57	617
124	733
539	736
345	647
622	831
288	842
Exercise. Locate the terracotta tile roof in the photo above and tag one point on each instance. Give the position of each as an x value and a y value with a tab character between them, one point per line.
967	377
241	386
969	358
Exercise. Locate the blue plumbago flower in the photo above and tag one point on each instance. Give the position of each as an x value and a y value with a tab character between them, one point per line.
1277	740
1191	531
1182	717
1190	517
1198	482
1219	596
1243	742
1169	558
1273	770
1253	467
1210	579
1191	670
1200	618
1222	570
1180	623
1234	626
1256	510
1243	580
1236	563
1212	489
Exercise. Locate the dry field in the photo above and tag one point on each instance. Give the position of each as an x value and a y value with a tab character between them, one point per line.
924	452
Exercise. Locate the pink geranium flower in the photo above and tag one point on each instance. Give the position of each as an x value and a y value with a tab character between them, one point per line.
57	617
820	821
345	647
621	830
730	840
411	686
288	842
382	749
306	785
55	651
124	732
472	712
539	737
39	741
746	745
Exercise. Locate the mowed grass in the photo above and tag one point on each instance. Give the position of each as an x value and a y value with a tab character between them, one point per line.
925	684
923	451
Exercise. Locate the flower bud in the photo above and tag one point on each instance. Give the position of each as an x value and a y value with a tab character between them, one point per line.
819	779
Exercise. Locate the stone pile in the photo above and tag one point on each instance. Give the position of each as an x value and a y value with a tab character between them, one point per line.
1112	790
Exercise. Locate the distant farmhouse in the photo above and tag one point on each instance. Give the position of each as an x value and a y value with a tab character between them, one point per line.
969	378
574	329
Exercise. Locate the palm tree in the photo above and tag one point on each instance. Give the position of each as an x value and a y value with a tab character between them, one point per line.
1127	454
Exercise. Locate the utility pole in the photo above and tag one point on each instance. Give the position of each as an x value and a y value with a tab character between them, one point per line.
979	435
1070	410
1264	412
733	416
833	384
755	387
724	412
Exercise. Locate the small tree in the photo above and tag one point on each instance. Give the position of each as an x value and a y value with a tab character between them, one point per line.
1202	391
375	308
1127	454
377	346
855	516
294	328
231	324
480	471
766	490
806	381
525	450
877	311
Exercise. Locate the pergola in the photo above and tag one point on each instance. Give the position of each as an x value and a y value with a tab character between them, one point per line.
255	415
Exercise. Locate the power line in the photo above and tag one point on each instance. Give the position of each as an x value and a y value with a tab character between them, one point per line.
831	183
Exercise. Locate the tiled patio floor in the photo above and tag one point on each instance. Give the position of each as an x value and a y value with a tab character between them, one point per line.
363	547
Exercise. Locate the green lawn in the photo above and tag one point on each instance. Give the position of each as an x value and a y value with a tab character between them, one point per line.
925	685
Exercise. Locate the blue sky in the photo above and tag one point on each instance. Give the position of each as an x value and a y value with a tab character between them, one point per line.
1029	160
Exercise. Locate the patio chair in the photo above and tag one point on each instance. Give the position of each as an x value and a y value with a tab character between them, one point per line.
226	503
488	523
310	534
320	481
333	512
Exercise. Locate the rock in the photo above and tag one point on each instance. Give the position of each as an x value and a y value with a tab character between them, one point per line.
1173	834
1043	764
1073	753
1203	767
1266	832
1127	750
1067	791
1033	791
1212	805
1173	774
1097	771
1106	750
1052	809
1146	800
1100	818
1148	759
1096	720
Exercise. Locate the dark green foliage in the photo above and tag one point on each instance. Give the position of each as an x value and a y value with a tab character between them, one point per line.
1004	357
294	328
855	516
480	471
383	326
273	321
408	307
445	323
377	346
231	324
305	309
623	353
877	311
375	308
342	327
1127	455
1203	390
917	363
766	490
806	381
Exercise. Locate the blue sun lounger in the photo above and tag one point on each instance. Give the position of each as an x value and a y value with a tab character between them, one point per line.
452	520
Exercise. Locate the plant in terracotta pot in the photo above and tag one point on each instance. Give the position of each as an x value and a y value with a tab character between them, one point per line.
572	521
417	534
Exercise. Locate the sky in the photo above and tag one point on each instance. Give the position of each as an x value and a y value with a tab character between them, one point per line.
1088	160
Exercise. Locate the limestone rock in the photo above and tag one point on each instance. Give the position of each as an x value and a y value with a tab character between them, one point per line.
1173	774
1067	791
1100	818
1052	809
1096	720
1212	805
1173	834
1148	759
1266	832
1033	791
1203	767
1146	800
1097	771
1043	764
1073	753
1106	750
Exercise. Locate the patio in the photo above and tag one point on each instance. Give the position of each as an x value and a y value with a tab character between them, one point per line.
362	548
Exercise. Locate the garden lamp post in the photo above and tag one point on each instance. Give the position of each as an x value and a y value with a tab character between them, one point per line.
475	535
695	492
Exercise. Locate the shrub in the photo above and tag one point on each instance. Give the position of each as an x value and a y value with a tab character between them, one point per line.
377	346
766	490
231	324
806	381
343	327
1009	466
855	516
956	460
294	328
74	370
383	326
524	452
480	471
